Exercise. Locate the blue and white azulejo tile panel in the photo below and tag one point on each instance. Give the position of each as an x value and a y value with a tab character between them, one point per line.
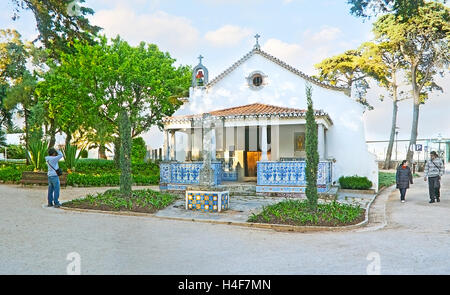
187	173
205	201
290	175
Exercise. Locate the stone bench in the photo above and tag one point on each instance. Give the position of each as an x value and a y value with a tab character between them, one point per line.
40	178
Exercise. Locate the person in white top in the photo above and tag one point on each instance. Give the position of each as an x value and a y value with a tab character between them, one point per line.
53	178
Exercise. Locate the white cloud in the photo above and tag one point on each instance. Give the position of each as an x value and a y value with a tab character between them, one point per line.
326	34
169	32
293	54
227	36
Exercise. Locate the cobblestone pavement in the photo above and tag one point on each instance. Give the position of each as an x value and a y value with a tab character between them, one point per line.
408	238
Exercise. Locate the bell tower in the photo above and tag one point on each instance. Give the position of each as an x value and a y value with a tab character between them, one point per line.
200	74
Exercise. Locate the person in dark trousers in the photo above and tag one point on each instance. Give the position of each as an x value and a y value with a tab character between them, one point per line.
434	169
53	178
403	178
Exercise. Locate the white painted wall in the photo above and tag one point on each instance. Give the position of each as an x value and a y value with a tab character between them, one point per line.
345	140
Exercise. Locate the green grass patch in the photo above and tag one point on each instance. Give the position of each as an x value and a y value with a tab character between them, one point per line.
386	179
297	212
145	201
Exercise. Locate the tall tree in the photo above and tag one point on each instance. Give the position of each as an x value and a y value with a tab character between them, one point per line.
123	85
13	58
424	43
59	22
312	154
391	62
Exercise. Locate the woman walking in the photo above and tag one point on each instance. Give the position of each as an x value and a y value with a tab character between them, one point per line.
53	177
403	179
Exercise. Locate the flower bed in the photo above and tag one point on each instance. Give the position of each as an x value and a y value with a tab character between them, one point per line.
297	212
144	201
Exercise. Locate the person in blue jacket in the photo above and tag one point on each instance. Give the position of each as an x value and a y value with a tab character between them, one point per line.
53	178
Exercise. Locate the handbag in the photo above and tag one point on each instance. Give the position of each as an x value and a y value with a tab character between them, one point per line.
58	171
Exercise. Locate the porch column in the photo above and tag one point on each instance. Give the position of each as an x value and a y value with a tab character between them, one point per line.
166	146
172	146
321	141
189	145
213	143
264	143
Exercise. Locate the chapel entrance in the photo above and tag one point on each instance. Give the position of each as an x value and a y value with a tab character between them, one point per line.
251	158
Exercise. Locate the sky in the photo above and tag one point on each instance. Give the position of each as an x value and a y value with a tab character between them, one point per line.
299	32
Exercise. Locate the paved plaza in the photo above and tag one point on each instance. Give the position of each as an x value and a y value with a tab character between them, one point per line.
409	238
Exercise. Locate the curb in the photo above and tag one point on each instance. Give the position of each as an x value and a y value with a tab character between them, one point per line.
276	227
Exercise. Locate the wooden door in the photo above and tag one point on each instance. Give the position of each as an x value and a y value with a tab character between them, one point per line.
252	158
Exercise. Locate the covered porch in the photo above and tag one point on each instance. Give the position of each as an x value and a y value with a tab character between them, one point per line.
254	143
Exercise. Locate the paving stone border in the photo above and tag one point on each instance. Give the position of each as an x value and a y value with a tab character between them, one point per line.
276	227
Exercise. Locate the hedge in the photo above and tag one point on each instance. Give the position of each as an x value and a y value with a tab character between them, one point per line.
355	182
89	172
108	179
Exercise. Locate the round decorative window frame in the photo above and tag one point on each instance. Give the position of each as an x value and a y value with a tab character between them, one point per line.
252	76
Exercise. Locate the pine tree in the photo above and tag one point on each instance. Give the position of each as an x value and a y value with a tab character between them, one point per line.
312	154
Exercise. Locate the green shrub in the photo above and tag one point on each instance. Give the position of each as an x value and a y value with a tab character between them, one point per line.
96	166
70	156
37	151
355	182
13	172
15	151
108	179
138	150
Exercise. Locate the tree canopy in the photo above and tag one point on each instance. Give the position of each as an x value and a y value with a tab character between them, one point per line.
349	69
400	8
59	22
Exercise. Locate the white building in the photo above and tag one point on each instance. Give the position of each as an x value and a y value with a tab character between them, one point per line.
258	106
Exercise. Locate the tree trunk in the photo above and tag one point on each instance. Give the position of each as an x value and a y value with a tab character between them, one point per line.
102	152
52	132
117	151
387	161
415	120
27	131
125	154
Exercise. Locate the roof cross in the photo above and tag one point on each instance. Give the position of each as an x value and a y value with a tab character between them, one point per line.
257	43
200	57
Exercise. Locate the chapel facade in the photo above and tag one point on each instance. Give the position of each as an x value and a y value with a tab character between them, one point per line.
251	121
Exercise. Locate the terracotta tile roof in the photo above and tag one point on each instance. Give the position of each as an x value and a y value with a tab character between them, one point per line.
255	110
282	64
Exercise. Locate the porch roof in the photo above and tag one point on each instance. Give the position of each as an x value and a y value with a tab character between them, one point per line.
255	110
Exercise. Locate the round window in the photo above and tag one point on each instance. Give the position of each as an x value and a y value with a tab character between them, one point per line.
257	80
